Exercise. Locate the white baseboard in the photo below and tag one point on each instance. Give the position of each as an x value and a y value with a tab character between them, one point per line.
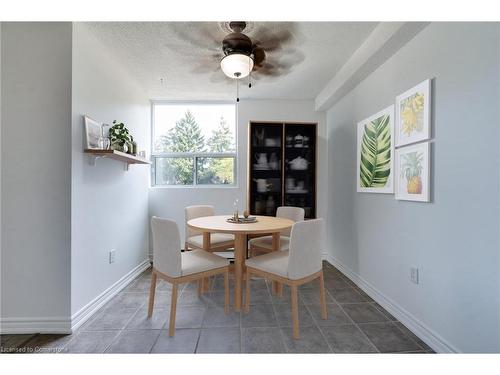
35	325
427	335
90	309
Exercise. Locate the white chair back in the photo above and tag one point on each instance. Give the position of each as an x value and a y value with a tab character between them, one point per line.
192	212
293	213
304	257
166	246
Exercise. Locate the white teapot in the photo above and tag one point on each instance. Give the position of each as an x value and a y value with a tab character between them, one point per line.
261	159
299	163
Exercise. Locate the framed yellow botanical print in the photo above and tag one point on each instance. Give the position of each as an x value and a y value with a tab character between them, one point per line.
413	114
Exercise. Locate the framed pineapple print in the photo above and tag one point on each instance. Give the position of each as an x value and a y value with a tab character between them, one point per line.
413	114
375	153
413	172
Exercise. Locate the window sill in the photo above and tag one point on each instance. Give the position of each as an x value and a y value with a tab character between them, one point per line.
194	187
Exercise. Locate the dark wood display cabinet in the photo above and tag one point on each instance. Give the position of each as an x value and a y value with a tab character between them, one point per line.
282	167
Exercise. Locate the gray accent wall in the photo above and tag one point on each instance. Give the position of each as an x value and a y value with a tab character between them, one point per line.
454	240
36	174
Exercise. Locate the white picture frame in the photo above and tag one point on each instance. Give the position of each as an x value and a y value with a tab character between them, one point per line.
361	182
409	185
413	114
93	133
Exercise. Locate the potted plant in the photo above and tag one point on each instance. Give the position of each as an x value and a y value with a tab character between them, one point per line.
119	137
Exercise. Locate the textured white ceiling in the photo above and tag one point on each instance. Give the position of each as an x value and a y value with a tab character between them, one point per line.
187	54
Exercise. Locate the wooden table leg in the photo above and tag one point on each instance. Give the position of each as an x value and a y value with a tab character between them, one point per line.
206	246
277	288
240	248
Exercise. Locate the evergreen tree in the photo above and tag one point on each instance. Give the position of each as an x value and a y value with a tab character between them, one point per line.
222	138
185	136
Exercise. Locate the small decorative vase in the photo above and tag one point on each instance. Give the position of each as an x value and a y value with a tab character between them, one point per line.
119	146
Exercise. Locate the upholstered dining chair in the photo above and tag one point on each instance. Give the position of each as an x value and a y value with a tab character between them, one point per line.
177	267
299	265
194	238
265	243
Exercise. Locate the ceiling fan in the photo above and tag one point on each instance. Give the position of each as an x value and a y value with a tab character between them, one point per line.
240	49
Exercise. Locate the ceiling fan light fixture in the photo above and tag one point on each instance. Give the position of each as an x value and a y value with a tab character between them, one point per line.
236	65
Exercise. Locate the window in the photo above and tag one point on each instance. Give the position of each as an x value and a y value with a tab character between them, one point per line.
193	144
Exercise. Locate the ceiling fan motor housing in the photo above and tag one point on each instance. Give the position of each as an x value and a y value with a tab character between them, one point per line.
237	43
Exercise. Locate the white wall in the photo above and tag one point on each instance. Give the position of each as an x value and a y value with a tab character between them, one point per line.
454	240
36	176
170	202
109	204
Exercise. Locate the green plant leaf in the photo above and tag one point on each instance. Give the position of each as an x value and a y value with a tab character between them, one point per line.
375	165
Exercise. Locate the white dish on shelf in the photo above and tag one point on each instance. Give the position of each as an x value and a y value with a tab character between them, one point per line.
258	167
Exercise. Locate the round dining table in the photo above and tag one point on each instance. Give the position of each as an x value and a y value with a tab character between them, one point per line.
219	224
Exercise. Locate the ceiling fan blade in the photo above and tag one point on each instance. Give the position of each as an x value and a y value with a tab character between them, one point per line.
200	34
259	55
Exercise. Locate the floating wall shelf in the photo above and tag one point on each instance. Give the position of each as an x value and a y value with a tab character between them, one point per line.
117	155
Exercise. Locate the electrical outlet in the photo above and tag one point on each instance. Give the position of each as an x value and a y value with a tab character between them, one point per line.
112	254
414	275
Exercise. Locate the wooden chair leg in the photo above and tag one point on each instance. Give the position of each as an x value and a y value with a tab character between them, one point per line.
295	312
200	287
324	312
152	290
280	290
173	309
247	291
226	291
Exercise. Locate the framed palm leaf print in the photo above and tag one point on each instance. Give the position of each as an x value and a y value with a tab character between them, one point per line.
413	114
375	153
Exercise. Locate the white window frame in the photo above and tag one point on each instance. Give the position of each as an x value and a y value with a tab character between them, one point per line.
194	155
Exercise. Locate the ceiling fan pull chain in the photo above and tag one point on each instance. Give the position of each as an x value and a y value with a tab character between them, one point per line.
237	90
249	75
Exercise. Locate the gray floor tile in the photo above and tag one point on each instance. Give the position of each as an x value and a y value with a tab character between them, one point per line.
140	285
109	320
188	317
191	298
215	317
284	315
335	315
366	296
9	343
310	341
259	297
388	338
128	301
47	343
217	298
347	296
313	296
347	339
218	284
162	300
91	342
140	341
262	340
364	313
141	321
414	337
336	284
184	341
219	340
285	298
384	311
259	316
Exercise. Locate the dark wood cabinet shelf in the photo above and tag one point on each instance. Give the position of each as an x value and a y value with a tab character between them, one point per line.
292	167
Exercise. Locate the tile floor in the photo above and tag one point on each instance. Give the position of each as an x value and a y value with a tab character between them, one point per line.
356	324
